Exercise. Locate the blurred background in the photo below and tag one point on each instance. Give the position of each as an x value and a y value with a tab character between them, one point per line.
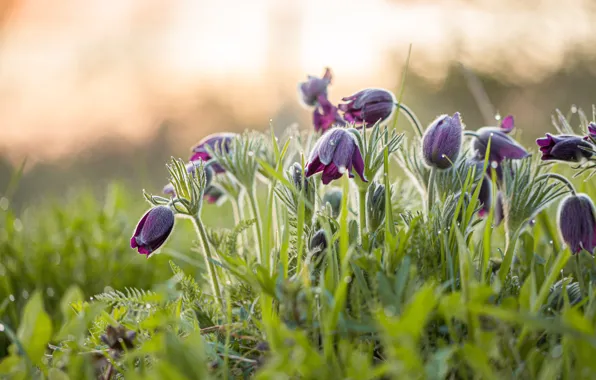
93	91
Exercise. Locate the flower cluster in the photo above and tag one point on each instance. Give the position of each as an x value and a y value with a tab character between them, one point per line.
222	162
364	108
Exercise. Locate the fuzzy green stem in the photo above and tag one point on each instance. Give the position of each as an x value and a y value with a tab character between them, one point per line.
252	198
414	122
363	221
509	252
431	190
559	178
207	251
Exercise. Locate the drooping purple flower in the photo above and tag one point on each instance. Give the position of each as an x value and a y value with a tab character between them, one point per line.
577	223
368	106
441	142
563	148
326	115
591	132
313	88
502	145
334	153
153	230
213	141
213	194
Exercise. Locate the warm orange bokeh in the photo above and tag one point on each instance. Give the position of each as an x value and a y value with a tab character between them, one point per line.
72	71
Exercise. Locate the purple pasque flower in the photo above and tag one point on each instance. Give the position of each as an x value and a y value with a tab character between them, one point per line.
368	106
313	88
334	153
441	142
577	223
326	115
563	148
591	132
153	230
213	194
214	141
502	145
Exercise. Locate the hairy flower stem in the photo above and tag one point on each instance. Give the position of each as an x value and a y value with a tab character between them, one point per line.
511	241
207	253
252	199
412	118
431	191
362	214
236	209
559	178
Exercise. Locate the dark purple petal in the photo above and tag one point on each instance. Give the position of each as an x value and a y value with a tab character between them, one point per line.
330	173
368	106
326	115
577	223
153	229
314	87
502	145
441	142
507	124
344	151
563	148
329	142
314	166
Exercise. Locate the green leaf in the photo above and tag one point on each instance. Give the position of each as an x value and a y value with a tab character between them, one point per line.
35	330
72	295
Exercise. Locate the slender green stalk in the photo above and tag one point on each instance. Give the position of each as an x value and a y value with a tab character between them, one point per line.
509	252
431	190
578	272
559	178
252	199
236	212
207	251
363	221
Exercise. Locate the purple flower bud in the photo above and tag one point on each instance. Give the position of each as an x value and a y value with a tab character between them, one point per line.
214	141
334	153
563	148
577	223
153	230
368	106
326	115
591	132
311	90
502	146
441	142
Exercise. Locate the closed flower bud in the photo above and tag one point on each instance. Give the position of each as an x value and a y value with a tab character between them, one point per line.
375	205
442	141
313	88
326	115
577	223
336	152
200	152
485	199
333	197
556	299
318	241
502	146
153	230
368	106
118	338
563	148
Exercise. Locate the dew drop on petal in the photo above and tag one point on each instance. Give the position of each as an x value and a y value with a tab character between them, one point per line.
342	169
550	242
1	327
50	292
148	306
91	298
11	298
251	153
573	108
498	116
348	279
494	164
25	294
